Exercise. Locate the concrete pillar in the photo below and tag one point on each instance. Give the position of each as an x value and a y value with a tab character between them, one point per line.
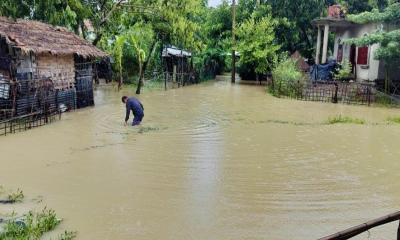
325	46
318	50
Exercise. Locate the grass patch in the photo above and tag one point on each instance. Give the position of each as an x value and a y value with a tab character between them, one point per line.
394	120
345	120
33	226
12	197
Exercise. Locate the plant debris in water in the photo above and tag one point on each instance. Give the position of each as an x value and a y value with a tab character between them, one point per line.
147	129
345	120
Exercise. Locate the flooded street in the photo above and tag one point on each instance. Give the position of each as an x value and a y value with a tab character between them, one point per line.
212	161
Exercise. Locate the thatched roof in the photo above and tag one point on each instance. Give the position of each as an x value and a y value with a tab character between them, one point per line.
39	37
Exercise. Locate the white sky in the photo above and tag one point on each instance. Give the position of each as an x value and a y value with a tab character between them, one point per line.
213	3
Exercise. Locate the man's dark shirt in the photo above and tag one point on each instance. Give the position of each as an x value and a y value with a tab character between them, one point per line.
136	106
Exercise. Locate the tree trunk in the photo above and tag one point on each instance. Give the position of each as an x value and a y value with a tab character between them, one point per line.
120	82
141	78
143	68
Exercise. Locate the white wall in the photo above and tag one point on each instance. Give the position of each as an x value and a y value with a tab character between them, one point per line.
368	72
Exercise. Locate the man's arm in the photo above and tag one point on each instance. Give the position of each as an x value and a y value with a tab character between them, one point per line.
128	111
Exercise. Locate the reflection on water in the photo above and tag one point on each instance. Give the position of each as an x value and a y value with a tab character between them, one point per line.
213	161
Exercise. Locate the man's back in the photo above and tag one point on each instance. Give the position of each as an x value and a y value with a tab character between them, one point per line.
134	104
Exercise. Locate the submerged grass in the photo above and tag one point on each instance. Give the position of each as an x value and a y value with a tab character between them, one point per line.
339	119
394	120
12	197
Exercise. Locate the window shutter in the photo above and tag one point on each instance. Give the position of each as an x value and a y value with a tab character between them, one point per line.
362	58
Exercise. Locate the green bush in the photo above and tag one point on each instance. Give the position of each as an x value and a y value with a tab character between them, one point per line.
33	227
344	72
287	79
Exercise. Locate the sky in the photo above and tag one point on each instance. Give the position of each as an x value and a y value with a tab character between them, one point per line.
214	3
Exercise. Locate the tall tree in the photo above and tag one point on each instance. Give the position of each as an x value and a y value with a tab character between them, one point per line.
256	43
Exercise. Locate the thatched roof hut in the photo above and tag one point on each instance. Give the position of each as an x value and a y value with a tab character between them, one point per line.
43	67
41	38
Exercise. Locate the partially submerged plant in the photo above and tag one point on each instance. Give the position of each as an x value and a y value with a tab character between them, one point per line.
345	119
12	197
33	226
17	196
287	79
67	235
394	119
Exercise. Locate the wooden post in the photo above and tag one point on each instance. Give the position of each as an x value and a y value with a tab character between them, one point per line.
335	97
233	77
174	76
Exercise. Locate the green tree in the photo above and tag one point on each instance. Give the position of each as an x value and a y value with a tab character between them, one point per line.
256	43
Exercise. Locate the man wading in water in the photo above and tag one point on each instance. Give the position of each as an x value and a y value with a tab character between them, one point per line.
136	106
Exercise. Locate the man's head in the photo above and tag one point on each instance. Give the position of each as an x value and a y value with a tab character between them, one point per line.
124	99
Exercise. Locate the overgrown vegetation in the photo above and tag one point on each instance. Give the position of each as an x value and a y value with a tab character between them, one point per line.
344	72
339	119
287	79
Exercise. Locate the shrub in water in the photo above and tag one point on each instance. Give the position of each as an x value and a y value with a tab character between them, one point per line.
287	79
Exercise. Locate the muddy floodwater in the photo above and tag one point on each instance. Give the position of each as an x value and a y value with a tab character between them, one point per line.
212	161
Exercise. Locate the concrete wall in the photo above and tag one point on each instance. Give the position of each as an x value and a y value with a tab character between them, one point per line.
372	70
61	69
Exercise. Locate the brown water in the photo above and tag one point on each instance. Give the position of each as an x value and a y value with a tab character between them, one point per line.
212	161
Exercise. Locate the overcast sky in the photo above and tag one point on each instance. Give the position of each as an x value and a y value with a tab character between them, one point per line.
214	3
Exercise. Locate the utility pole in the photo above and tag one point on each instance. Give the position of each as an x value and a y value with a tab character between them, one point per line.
233	41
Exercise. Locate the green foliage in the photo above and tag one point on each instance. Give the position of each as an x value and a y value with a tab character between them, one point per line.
33	227
344	120
256	43
390	14
345	71
287	79
294	31
387	39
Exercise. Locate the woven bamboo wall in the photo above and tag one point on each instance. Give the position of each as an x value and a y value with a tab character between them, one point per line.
60	69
